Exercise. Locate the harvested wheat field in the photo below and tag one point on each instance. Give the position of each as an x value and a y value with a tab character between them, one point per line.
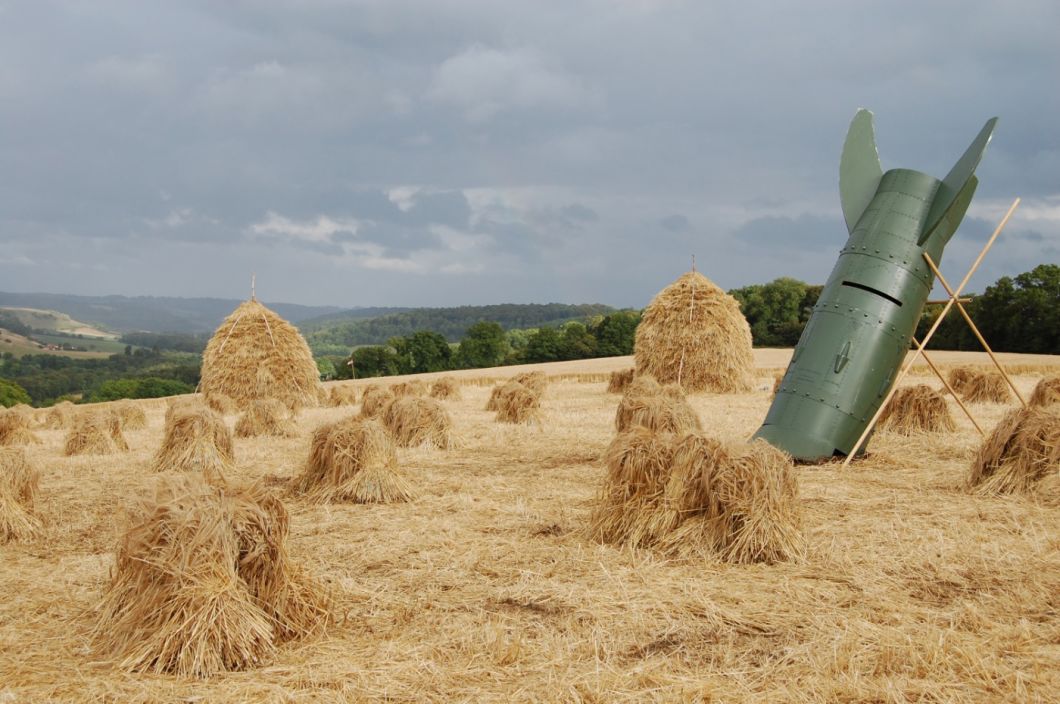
906	586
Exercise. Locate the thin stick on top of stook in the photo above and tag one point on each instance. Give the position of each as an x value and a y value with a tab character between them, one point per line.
954	297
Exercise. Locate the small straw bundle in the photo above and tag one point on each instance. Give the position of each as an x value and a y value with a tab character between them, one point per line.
203	584
26	411
95	434
518	404
18	491
445	388
536	381
658	408
182	403
374	400
414	421
917	409
498	392
1047	392
196	440
415	387
1023	449
693	333
988	387
778	380
131	415
345	395
619	380
959	377
14	429
222	403
739	501
629	510
699	498
58	416
975	386
266	417
354	461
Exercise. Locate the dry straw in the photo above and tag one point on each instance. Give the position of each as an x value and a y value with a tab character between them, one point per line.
203	584
988	387
266	417
196	440
658	408
446	388
1023	449
415	422
96	433
959	377
629	509
699	498
917	409
737	500
131	415
58	416
256	354
353	460
183	403
498	393
693	333
620	379
374	400
222	403
19	483
415	387
1047	392
342	395
976	386
15	429
536	381
518	404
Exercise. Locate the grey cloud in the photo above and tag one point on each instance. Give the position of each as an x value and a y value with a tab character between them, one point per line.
803	232
675	223
320	109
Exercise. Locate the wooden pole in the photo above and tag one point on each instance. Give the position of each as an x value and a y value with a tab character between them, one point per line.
947	385
972	325
935	326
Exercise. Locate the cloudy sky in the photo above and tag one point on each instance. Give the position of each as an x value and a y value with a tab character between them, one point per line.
447	152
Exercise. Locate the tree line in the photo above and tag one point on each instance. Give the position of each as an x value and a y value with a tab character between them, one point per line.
1015	314
487	344
140	373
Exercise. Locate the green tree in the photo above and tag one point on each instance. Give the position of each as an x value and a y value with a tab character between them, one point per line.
1015	314
484	345
615	333
577	342
144	387
422	351
777	311
375	360
11	394
326	368
545	345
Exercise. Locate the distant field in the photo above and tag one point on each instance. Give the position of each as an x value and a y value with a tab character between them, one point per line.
19	346
60	323
92	344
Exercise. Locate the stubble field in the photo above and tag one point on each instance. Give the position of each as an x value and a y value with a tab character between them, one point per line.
484	588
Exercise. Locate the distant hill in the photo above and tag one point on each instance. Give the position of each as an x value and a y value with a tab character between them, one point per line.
151	313
350	328
52	321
